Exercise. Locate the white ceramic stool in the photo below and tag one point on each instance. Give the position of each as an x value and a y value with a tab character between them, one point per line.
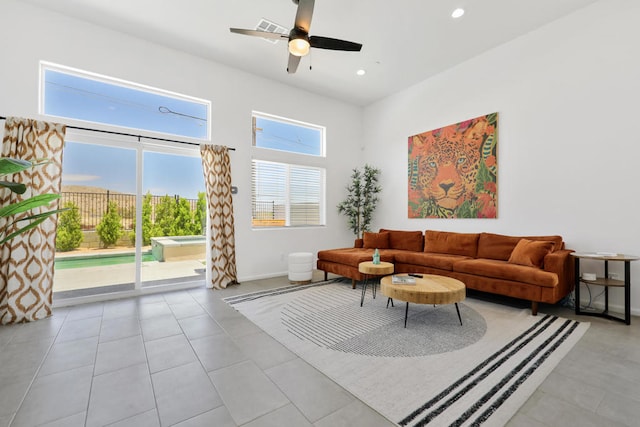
300	267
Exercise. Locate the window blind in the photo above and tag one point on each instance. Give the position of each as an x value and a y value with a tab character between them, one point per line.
285	195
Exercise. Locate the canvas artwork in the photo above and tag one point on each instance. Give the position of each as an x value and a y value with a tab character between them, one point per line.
453	170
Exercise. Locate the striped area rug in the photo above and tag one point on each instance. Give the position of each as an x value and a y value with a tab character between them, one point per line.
436	371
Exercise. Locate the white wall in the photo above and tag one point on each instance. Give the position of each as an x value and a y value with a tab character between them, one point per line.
569	152
32	34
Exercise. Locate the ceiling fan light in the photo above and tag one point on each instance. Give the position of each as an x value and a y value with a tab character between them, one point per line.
457	13
299	47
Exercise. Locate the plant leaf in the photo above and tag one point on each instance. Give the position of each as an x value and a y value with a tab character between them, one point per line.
10	166
40	215
39	218
22	230
16	187
30	203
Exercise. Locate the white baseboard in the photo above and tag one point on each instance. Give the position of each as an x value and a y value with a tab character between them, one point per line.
66	302
262	276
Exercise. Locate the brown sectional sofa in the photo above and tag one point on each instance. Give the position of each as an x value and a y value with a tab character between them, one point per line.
533	268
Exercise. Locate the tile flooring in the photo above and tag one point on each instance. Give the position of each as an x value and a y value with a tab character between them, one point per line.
185	358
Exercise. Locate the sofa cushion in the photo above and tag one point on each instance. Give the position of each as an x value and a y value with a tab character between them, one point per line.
445	242
375	240
428	259
405	240
503	270
530	252
498	246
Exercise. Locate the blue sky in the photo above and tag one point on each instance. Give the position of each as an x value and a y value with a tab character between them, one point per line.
113	168
285	136
81	98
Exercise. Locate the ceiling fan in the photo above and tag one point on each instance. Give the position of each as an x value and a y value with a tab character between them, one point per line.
299	40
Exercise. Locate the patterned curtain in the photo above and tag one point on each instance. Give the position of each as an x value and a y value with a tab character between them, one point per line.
26	269
217	177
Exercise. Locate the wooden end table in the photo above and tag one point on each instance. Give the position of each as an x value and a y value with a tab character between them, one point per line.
606	282
369	269
428	289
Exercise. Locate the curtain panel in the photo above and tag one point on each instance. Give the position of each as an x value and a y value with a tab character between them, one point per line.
216	166
27	261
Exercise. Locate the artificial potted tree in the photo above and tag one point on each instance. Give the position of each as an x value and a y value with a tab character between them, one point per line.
362	198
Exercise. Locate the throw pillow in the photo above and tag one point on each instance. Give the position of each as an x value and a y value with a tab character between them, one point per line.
530	253
405	240
375	240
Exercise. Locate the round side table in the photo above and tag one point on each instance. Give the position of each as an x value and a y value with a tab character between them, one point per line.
428	289
369	269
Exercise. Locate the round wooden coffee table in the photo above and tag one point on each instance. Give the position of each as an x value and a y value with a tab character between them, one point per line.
428	289
369	269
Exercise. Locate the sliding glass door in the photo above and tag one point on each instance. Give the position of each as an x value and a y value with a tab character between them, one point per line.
111	186
173	219
94	254
135	208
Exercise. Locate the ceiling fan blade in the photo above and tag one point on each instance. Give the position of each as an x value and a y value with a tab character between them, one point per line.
258	33
304	13
334	44
292	66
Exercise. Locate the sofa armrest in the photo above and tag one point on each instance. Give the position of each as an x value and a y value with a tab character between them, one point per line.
561	263
359	243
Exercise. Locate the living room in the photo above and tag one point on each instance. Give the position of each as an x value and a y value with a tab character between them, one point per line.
566	95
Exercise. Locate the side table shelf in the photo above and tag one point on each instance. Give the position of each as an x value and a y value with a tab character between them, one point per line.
603	281
606	282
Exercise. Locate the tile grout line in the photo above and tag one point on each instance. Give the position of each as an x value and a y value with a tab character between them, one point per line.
197	358
237	363
35	375
93	371
146	357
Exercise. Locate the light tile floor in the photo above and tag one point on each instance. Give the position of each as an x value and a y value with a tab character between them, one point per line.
186	358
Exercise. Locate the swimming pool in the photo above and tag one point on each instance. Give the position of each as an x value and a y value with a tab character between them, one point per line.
99	260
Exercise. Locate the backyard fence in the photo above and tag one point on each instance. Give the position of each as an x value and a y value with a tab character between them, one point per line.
93	206
265	210
272	214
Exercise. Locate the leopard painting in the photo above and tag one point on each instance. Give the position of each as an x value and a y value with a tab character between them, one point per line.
452	171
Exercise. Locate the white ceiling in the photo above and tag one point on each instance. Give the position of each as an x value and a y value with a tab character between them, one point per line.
404	41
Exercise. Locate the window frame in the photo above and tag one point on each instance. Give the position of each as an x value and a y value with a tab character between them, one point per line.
284	120
45	65
126	141
291	159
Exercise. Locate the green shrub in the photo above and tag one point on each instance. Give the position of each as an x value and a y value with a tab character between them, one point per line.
69	235
147	225
183	223
165	216
110	228
200	217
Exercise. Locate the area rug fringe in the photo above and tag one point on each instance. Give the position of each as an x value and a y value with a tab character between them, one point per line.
482	383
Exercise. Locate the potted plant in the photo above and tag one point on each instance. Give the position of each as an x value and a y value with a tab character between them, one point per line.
361	200
9	166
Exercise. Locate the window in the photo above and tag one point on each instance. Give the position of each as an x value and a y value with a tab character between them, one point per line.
156	190
89	97
283	135
287	193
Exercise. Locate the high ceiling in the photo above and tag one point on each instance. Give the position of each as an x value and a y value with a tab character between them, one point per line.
404	41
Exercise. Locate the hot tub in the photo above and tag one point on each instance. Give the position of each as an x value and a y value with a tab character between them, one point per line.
176	248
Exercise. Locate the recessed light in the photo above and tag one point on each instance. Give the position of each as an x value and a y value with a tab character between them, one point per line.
361	72
457	13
